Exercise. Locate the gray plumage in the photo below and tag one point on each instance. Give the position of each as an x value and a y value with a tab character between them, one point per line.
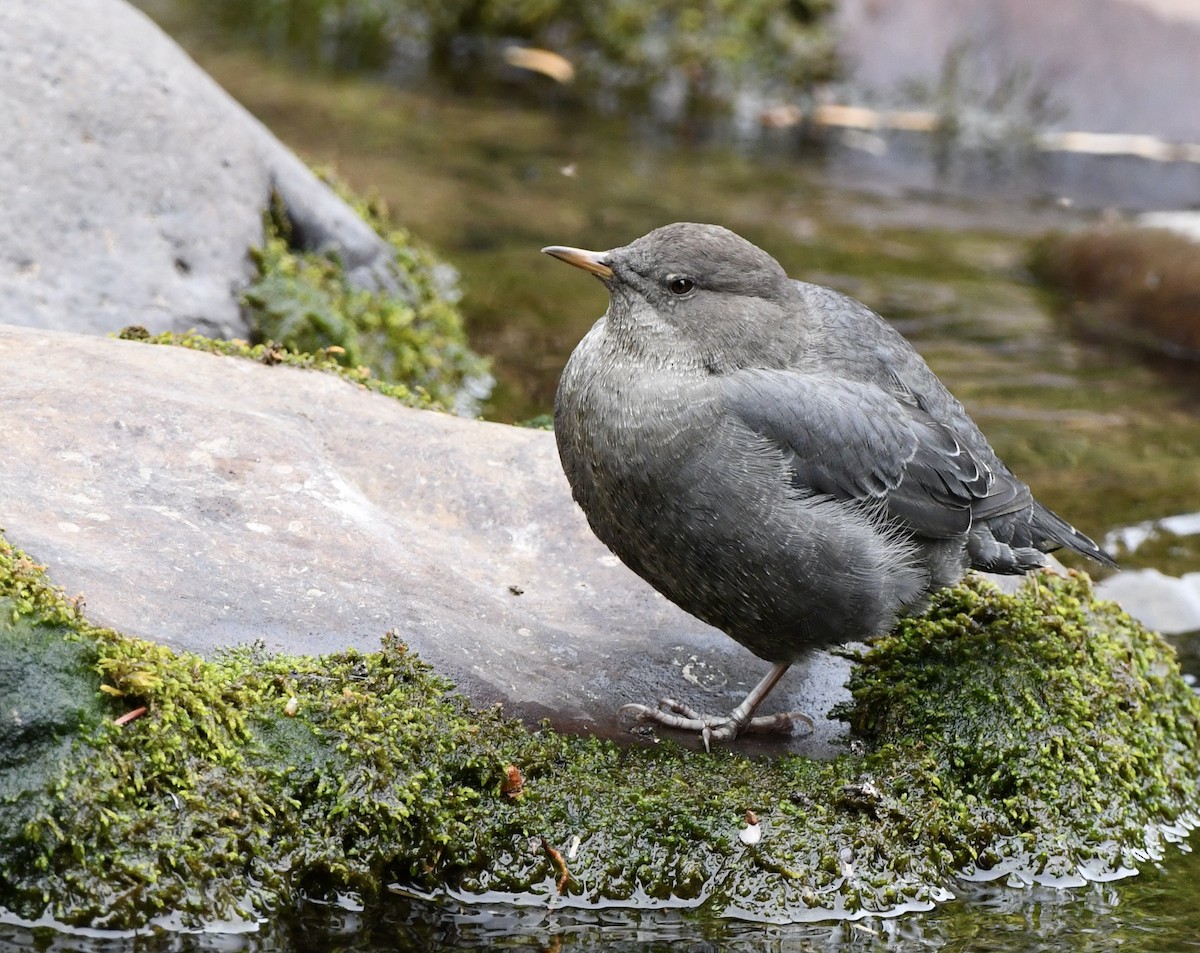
772	456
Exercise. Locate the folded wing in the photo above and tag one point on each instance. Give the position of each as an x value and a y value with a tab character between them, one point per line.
855	440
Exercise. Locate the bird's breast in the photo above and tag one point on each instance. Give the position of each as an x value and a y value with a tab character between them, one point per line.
621	418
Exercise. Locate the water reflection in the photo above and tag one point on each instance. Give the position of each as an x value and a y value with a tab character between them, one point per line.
1153	912
1069	179
1130	538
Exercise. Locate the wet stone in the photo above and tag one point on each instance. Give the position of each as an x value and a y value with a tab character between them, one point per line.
1167	604
202	502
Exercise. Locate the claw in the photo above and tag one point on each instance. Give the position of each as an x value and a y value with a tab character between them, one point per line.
673	714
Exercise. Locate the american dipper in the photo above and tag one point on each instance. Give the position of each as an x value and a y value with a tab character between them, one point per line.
776	459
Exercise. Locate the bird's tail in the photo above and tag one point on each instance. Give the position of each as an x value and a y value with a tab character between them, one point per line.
1052	531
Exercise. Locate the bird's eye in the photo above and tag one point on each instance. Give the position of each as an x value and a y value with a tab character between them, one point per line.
680	285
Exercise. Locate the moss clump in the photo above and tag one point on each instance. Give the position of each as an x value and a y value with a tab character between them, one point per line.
1044	730
1056	724
306	310
221	800
1140	285
408	332
272	354
411	333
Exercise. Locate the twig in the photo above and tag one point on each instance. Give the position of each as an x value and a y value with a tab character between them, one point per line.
130	716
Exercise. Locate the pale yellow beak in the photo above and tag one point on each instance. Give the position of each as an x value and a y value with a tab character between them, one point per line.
594	261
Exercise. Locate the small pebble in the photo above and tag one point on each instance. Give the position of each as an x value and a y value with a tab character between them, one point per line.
751	834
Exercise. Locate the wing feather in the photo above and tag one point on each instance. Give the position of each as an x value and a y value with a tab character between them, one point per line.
854	440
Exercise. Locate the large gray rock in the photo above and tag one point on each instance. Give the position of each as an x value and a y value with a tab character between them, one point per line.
1164	603
203	502
133	185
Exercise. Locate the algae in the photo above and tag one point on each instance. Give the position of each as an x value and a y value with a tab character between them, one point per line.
1044	735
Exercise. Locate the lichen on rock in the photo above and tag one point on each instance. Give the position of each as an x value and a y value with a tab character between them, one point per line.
1040	735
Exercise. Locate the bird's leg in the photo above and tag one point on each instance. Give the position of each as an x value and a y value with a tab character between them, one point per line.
673	714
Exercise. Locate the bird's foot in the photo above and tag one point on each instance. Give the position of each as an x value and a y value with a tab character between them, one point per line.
674	714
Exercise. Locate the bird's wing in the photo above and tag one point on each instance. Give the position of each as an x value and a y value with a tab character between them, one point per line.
854	440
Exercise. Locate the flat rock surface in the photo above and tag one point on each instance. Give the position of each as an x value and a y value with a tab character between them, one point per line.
202	502
133	185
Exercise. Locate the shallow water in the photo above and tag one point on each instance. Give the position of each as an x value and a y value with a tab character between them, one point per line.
1103	435
1153	912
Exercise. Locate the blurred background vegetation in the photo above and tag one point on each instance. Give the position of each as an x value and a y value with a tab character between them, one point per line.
678	60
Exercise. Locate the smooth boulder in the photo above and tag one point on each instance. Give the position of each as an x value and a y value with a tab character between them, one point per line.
134	186
203	502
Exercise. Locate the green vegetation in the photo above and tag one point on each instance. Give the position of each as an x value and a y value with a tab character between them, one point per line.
1043	730
271	354
707	54
217	802
304	302
1007	695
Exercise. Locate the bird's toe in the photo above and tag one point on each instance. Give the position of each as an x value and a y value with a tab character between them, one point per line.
670	713
783	722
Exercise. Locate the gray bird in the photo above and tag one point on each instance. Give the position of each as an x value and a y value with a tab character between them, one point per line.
776	459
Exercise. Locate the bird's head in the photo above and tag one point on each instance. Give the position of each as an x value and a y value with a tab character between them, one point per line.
701	293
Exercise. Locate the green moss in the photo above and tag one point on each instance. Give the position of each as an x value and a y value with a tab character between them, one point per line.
411	334
540	422
305	310
217	802
1043	729
271	354
1055	721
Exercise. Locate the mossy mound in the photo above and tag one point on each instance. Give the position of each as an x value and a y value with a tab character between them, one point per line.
407	329
1058	727
1125	283
1044	732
